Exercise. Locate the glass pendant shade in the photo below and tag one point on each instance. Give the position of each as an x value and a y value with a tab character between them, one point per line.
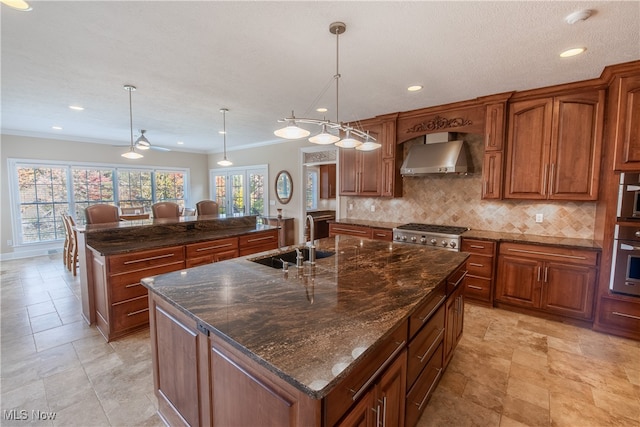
368	146
225	162
292	132
142	143
131	154
324	137
348	142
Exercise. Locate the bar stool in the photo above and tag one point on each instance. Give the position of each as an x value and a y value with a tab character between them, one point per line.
71	254
165	210
101	214
207	207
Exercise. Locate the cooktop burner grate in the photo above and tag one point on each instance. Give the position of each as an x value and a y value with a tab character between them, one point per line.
433	228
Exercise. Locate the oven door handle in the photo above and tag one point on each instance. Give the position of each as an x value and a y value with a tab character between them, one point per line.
625	247
633	187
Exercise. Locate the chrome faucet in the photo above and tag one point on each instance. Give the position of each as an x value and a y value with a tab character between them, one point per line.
312	232
299	258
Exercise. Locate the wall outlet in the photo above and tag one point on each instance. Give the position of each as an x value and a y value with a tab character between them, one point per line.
373	208
539	217
350	206
272	202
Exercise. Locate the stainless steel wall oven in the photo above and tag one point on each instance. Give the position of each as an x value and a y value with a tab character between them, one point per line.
625	271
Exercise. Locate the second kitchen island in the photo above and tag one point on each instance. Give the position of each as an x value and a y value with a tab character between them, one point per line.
361	337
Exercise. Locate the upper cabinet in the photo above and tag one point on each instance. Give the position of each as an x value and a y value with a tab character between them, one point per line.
328	181
492	170
554	146
626	121
377	172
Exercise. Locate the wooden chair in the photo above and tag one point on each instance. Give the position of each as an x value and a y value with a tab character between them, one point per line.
71	255
207	207
67	241
165	210
101	214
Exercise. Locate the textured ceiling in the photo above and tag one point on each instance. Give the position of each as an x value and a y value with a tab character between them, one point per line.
263	59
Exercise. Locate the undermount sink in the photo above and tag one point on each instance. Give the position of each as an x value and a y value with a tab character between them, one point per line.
275	261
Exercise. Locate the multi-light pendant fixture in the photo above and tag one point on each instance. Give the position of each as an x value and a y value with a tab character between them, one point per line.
293	131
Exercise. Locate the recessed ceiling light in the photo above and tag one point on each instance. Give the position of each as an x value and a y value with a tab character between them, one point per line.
20	5
580	15
56	127
76	107
221	132
321	110
180	142
572	52
414	88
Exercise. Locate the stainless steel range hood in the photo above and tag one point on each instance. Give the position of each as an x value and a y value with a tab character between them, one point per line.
437	155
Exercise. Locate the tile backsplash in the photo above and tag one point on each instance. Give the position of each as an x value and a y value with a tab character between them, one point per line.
450	199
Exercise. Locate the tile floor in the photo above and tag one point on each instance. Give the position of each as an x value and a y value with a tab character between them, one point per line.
509	369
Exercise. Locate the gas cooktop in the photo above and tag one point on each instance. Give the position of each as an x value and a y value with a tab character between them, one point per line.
437	236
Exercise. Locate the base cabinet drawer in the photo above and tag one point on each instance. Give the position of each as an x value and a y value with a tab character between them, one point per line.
350	230
424	345
145	259
382	234
619	316
478	288
480	265
418	396
130	314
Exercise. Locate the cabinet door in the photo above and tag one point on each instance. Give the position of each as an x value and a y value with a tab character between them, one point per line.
576	146
528	149
492	175
348	172
568	289
362	414
627	123
494	127
519	281
454	323
328	181
388	177
370	165
390	393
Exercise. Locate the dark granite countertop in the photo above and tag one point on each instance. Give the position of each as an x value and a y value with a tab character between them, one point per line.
567	242
310	325
367	223
133	236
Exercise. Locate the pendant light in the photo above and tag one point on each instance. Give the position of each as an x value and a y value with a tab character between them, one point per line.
131	154
224	161
293	131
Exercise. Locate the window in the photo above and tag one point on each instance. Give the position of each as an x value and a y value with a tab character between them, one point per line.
312	189
42	192
43	199
240	191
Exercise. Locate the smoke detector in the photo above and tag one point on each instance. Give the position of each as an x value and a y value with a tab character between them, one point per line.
580	15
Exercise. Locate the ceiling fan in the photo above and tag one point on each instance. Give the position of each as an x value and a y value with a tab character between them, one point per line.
142	143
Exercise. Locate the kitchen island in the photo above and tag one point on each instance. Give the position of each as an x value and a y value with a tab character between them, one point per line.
241	343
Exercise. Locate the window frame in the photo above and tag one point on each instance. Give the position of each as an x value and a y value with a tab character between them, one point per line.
14	191
246	171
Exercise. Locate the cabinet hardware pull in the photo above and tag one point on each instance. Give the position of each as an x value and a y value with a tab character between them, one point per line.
214	247
384	411
424	399
372	378
539	268
546	274
544	179
615	313
377	411
134	261
133	313
475	264
257	239
433	310
350	230
484	189
455	285
546	253
475	287
133	285
435	342
476	246
551	177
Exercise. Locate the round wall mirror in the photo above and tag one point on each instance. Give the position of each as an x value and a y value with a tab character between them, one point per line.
284	187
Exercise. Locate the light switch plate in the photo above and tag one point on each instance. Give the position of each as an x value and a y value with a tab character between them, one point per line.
539	217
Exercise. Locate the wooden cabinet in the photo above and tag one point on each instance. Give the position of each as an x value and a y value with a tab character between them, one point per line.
384	404
479	281
360	172
328	181
376	233
454	322
259	241
212	251
554	147
619	315
286	232
626	121
492	170
120	299
551	279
